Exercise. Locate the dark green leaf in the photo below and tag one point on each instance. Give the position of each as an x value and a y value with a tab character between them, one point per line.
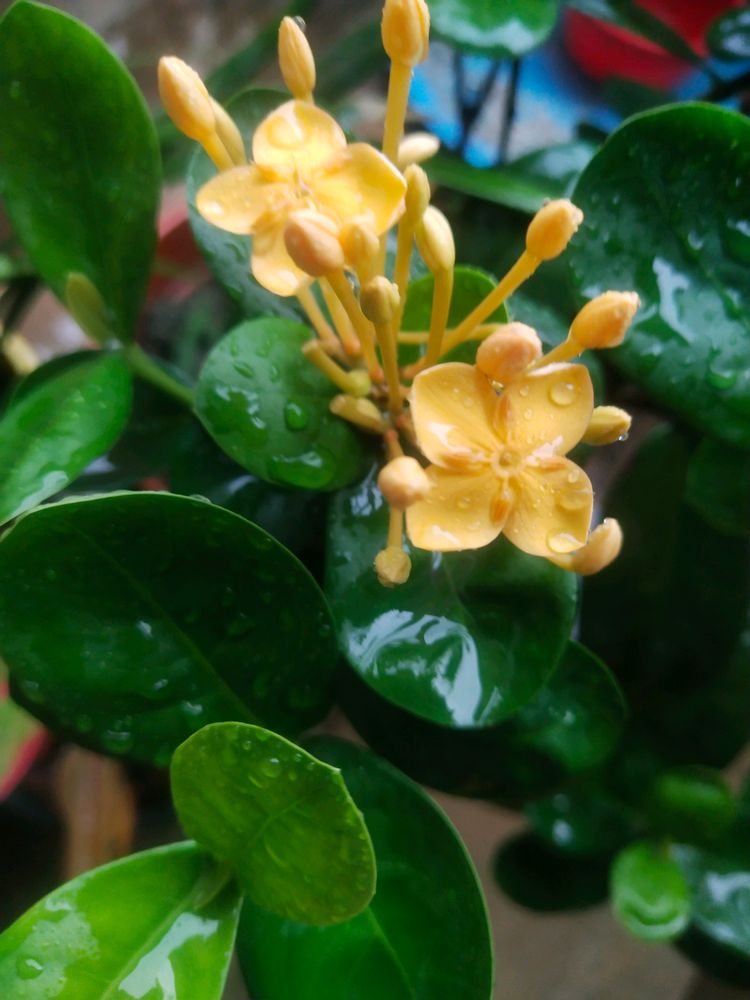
56	425
468	640
690	342
283	820
718	485
692	803
161	613
729	36
424	936
632	16
585	819
649	893
498	30
161	923
266	405
350	62
79	162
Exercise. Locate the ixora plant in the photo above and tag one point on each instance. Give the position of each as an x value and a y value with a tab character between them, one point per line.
367	495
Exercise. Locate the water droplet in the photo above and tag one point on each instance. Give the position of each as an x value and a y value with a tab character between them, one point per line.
528	414
562	393
296	416
463	503
271	767
561	542
28	968
524	390
571	502
15	90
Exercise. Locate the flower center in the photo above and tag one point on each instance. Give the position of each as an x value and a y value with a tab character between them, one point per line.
504	463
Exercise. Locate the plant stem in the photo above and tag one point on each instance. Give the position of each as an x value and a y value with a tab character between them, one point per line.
147	369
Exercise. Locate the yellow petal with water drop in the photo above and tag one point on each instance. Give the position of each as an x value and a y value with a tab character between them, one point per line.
296	138
549	409
235	200
359	183
271	264
458	513
552	511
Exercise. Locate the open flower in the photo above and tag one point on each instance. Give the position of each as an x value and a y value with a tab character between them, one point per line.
301	161
499	462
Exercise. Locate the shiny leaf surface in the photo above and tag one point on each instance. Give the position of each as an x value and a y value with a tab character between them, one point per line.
649	893
499	30
582	820
161	613
157	924
424	936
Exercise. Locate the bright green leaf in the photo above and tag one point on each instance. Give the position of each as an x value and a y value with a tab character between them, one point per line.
692	803
649	893
499	30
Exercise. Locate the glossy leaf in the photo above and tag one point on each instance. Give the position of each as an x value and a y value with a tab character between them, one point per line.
689	345
266	406
161	923
511	28
649	893
468	640
55	427
161	613
729	36
692	803
283	820
424	936
21	740
718	485
228	255
584	819
79	164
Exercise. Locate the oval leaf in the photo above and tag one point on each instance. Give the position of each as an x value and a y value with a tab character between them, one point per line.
161	923
283	820
266	405
160	613
512	28
582	820
424	936
690	343
649	893
692	803
57	426
79	163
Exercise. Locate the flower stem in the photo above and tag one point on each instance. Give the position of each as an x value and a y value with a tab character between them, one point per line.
146	368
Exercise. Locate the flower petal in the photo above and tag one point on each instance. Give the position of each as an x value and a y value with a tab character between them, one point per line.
551	514
359	182
236	199
452	407
459	513
271	264
548	409
296	138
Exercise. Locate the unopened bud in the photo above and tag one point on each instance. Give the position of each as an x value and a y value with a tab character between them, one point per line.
435	243
508	352
312	240
417	196
607	424
379	300
552	228
403	482
604	321
359	243
406	31
602	548
185	99
362	412
19	354
87	307
416	148
227	131
393	566
296	59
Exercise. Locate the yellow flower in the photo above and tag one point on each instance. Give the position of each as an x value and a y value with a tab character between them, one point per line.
301	161
499	462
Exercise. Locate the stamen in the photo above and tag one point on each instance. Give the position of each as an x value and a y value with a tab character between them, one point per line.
341	320
354	383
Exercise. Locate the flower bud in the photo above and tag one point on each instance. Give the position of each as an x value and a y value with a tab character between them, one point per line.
359	243
405	29
604	321
296	59
602	548
19	354
435	243
552	228
417	196
607	424
393	566
416	148
227	131
312	242
508	352
379	300
362	412
403	482
85	304
185	99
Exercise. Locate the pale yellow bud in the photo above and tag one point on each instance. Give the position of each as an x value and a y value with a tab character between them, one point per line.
508	352
607	424
296	59
19	353
406	31
227	131
185	99
416	148
417	196
393	566
604	321
359	243
435	243
379	300
552	228
87	307
362	412
403	482
312	240
602	548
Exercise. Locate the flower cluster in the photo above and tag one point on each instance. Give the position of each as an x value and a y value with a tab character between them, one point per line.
319	209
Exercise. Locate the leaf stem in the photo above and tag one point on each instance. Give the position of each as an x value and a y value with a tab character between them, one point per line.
147	369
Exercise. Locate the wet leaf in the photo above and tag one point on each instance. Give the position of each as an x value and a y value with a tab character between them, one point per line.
512	28
649	893
583	819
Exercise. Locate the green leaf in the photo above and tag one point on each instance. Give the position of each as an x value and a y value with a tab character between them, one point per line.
227	255
582	820
266	406
424	936
58	424
718	486
690	343
161	613
468	640
498	30
633	17
79	161
161	923
692	803
649	893
729	36
283	820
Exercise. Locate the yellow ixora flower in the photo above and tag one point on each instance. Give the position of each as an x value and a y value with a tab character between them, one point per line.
301	160
499	459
